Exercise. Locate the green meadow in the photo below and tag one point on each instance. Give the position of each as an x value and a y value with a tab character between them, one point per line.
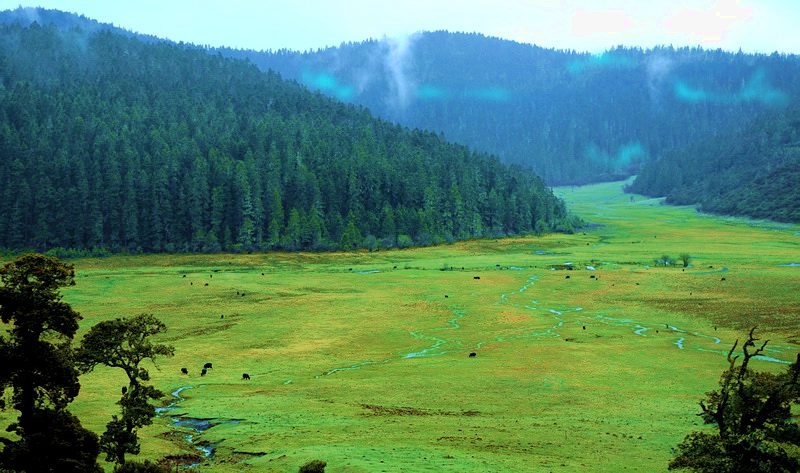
362	359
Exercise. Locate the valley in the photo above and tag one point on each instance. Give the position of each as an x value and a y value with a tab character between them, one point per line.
362	359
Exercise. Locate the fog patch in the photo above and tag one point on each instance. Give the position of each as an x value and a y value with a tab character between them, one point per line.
756	89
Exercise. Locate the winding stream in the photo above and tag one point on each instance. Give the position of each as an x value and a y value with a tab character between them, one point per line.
196	426
439	344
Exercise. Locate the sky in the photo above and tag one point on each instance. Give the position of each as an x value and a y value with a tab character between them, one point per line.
761	26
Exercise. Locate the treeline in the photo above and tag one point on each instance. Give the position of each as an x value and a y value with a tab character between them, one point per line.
754	173
108	143
572	117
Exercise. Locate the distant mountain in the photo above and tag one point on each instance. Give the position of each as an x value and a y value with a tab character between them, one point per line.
755	172
111	143
572	117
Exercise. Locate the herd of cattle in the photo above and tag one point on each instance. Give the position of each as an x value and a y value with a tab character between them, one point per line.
209	366
245	376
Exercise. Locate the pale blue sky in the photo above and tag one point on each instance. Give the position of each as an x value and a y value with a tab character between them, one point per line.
584	25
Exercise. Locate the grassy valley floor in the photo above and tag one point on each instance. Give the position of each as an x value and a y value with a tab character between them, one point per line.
362	359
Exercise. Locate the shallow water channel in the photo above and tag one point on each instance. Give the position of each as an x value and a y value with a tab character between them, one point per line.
440	343
192	426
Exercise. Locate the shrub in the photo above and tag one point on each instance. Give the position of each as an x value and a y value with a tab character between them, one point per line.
665	260
314	466
146	467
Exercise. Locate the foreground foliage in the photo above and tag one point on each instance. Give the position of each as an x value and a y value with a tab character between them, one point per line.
752	412
36	361
125	343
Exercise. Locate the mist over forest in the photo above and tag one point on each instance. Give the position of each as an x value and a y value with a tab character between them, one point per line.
577	118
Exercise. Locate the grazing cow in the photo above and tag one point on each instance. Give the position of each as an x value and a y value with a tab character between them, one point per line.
262	274
566	277
191	284
207	366
476	277
584	327
206	284
237	293
591	277
445	296
124	390
203	373
473	354
394	267
222	316
184	275
245	376
243	294
722	279
184	371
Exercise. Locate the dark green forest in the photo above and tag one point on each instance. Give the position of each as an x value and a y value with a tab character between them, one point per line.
754	173
109	143
572	117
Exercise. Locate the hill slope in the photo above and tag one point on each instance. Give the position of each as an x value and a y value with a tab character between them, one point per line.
572	117
753	173
108	142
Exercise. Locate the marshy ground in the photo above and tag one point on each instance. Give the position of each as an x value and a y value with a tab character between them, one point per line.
363	359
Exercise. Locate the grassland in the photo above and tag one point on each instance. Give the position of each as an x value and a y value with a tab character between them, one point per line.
361	359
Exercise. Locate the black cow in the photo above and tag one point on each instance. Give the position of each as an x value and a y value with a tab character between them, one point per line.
203	373
207	366
476	277
566	277
124	390
245	376
473	354
184	371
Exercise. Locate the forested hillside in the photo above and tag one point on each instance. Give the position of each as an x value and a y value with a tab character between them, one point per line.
111	143
754	173
572	117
